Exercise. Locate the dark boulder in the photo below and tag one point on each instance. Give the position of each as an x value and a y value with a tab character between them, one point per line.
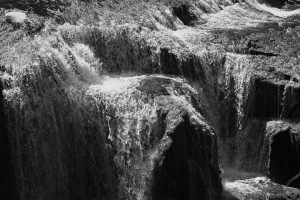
162	147
275	97
185	14
284	153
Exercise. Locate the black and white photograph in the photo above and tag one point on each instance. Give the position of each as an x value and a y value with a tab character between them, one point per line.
149	99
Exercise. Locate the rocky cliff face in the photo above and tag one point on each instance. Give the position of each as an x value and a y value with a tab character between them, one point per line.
77	123
133	138
283	165
161	144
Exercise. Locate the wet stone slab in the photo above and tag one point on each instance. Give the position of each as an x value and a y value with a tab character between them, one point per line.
259	188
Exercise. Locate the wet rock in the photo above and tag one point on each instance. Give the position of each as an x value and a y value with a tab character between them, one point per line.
162	147
259	188
248	158
275	3
128	138
268	96
124	142
185	14
271	95
276	151
284	152
44	7
15	17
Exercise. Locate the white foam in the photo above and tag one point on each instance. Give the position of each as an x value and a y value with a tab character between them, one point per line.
15	17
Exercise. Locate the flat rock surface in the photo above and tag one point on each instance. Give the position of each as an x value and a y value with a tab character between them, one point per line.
259	188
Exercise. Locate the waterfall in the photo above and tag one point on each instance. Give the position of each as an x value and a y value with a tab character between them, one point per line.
140	126
73	133
146	105
57	144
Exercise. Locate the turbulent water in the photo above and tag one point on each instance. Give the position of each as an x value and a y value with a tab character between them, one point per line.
140	112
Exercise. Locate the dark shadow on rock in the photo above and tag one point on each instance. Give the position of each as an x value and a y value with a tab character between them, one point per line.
191	67
44	8
186	171
294	114
228	196
254	48
274	3
154	86
272	100
267	99
292	103
6	169
255	52
280	156
284	158
185	15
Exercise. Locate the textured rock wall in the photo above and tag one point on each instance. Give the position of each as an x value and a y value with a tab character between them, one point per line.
161	145
109	141
103	145
284	162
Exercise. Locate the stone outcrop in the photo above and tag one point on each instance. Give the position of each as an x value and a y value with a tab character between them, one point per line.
284	152
41	7
271	96
185	15
276	151
161	145
135	138
69	132
259	188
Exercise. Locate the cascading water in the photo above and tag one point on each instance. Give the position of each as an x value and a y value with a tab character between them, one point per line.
142	115
70	132
60	112
51	129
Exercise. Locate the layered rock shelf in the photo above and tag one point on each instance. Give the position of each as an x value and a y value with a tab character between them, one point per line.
150	100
